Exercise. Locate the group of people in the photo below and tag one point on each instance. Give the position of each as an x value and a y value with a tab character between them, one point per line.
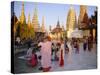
75	45
52	50
46	51
55	50
87	43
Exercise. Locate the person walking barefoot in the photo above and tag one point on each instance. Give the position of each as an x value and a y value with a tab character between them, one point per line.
61	59
46	54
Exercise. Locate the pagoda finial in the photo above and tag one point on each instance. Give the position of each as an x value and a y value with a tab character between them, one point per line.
43	20
22	17
35	11
22	7
43	27
58	24
29	22
71	7
35	20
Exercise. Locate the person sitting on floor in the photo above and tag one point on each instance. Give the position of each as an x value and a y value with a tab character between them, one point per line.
29	53
33	61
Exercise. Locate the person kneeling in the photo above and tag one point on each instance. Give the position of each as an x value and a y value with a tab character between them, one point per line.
33	61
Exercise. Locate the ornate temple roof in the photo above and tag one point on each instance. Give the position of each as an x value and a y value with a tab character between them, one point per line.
57	29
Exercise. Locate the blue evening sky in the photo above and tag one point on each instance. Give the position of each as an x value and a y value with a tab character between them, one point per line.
50	11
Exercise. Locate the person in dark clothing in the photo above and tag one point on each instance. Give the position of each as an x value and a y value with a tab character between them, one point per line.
66	47
85	44
90	41
76	46
53	48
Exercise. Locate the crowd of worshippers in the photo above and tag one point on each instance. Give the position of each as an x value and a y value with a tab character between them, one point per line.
53	50
44	56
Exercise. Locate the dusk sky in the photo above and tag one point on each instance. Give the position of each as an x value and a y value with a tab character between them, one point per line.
50	11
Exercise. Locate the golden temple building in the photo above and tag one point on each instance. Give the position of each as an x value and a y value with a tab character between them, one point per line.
71	22
35	21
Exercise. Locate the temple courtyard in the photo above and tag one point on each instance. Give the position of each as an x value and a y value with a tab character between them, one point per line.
82	61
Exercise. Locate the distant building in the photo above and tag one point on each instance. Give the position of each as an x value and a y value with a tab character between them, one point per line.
57	32
83	20
83	11
87	24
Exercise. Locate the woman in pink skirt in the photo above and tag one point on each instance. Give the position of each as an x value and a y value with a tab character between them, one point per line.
46	54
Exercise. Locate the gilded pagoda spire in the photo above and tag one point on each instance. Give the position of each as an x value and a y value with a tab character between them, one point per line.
83	11
22	17
58	23
29	22
71	19
35	20
43	23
